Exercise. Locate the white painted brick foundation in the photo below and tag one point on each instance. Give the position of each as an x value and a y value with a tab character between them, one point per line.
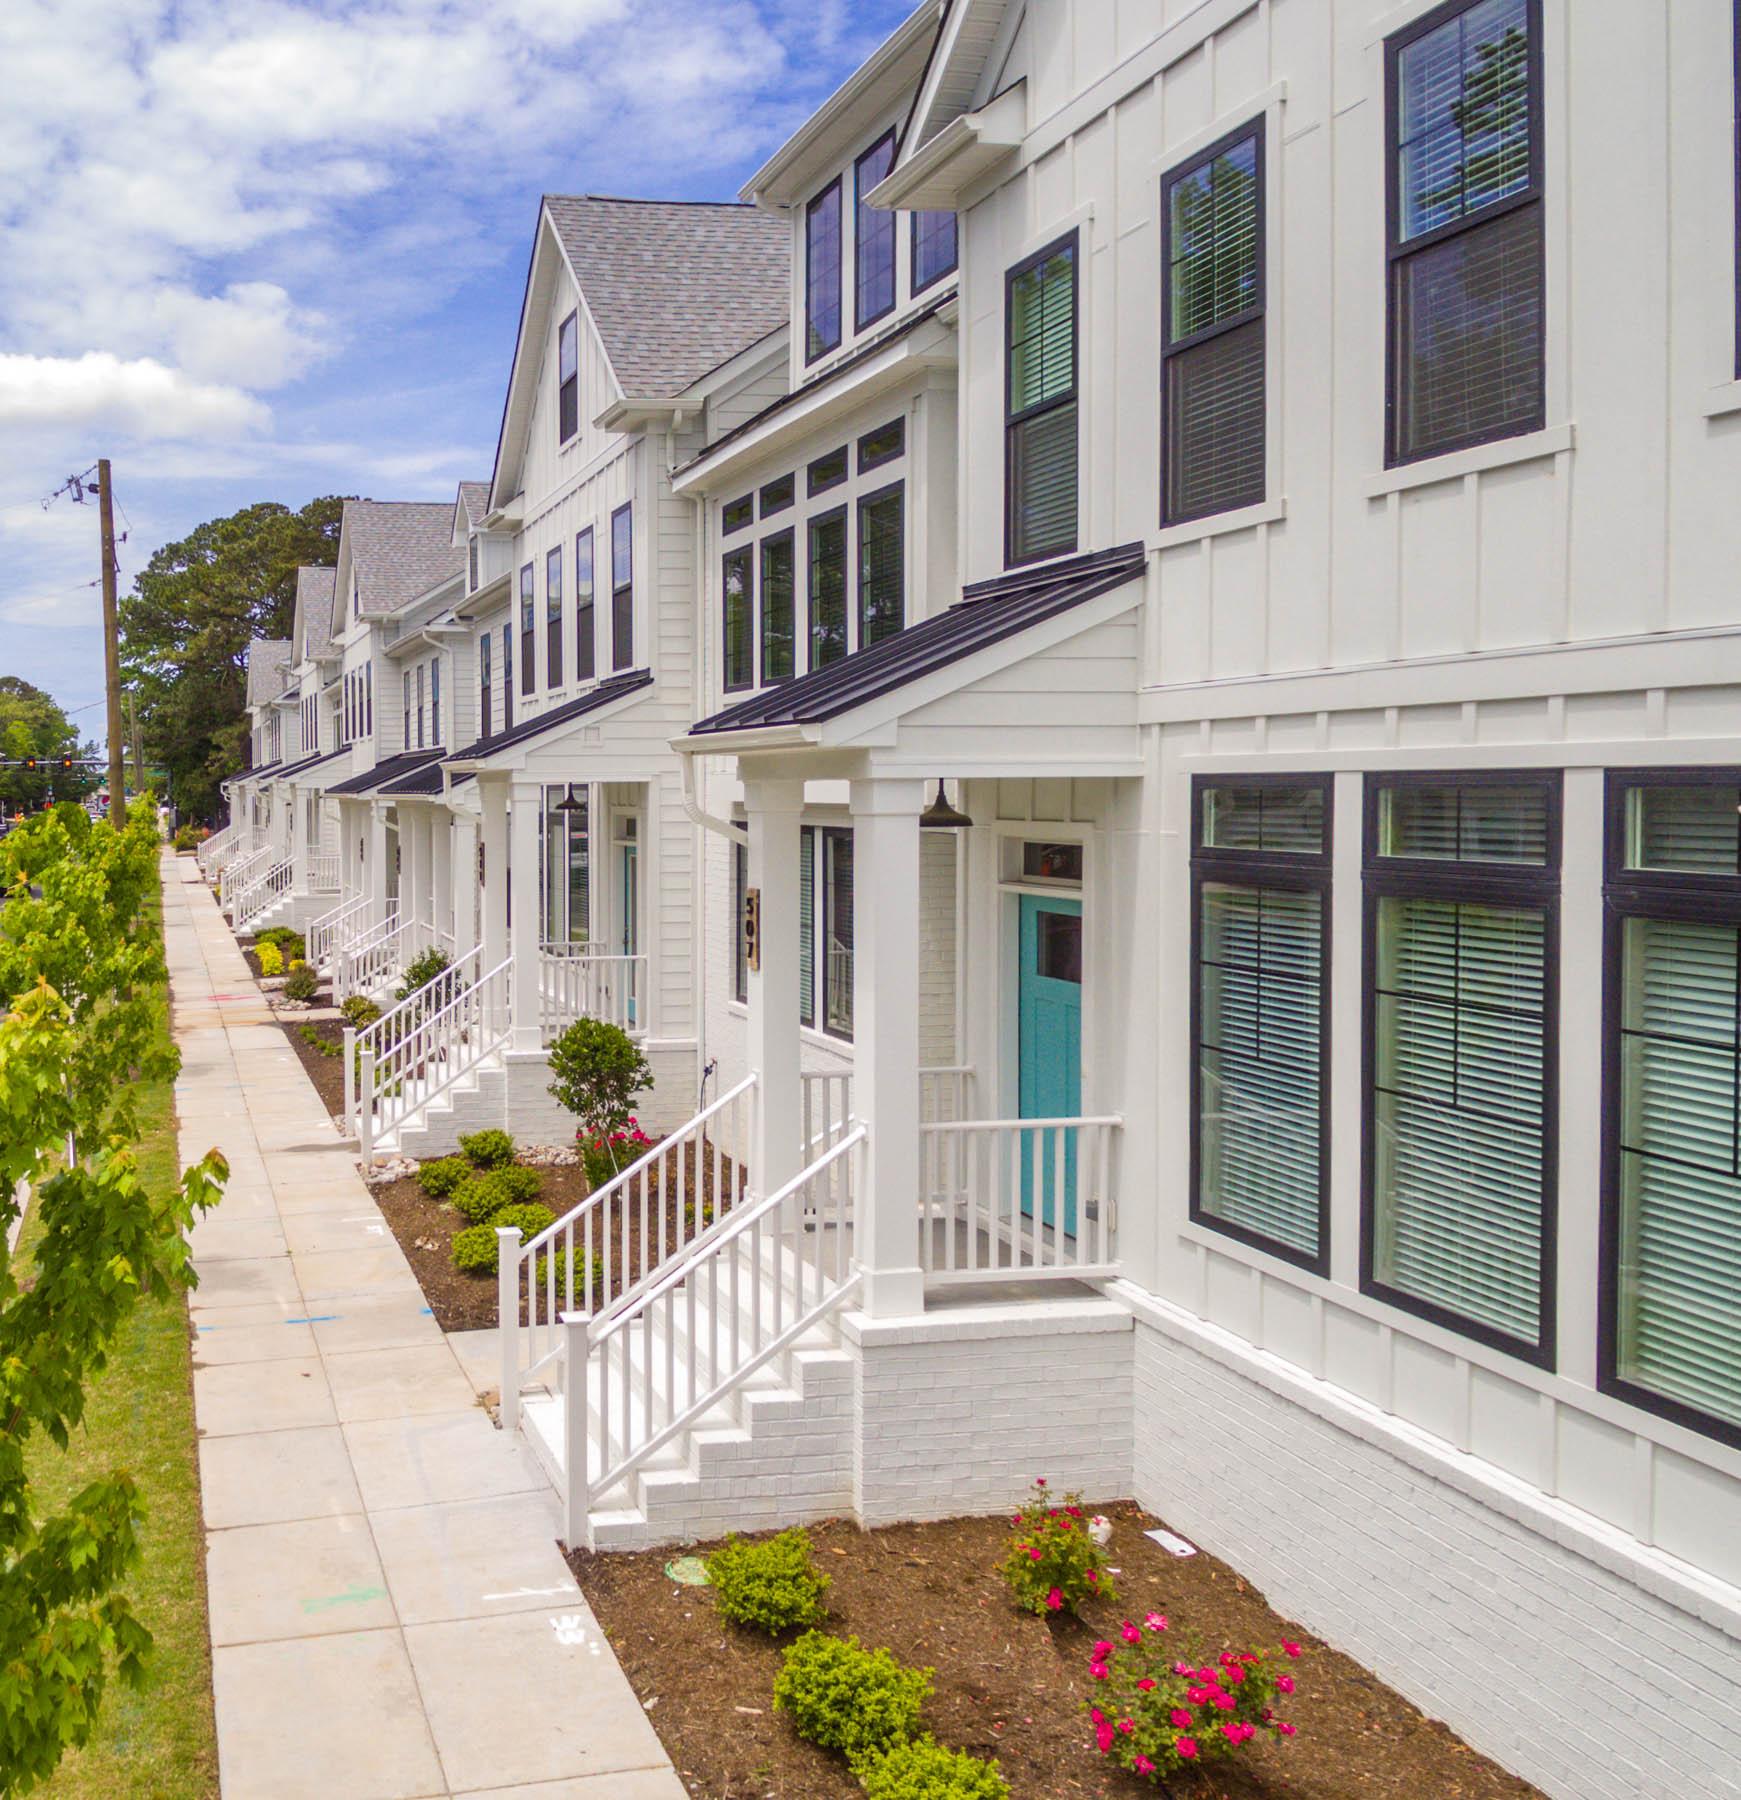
958	1412
1590	1666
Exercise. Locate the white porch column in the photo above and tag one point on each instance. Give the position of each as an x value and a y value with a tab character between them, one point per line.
885	1006
494	795
441	879
528	878
299	871
463	878
378	857
414	885
774	808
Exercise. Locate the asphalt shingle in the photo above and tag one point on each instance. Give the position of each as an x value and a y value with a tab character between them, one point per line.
399	550
268	664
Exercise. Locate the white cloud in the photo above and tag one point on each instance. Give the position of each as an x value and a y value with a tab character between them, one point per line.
142	398
252	335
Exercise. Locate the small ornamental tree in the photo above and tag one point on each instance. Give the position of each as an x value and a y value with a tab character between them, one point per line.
597	1069
81	974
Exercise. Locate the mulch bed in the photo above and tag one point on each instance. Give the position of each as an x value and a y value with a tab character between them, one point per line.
1008	1684
326	1072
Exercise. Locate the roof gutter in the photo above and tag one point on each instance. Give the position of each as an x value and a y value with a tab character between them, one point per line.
728	829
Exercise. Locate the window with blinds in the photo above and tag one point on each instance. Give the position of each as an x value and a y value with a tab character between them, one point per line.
1465	228
881	559
738	630
1040	474
807	925
1462	901
1260	1025
827	534
1212	351
1672	1187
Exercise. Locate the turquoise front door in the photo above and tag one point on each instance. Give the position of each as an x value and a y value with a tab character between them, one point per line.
1049	1052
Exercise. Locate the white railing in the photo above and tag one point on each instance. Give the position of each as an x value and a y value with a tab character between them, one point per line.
216	851
240	871
636	1377
323	871
261	894
824	1107
368	960
333	930
577	983
1017	1199
420	1048
619	1238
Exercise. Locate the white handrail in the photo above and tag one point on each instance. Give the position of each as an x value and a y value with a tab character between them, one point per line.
261	893
777	1268
663	1203
575	982
1018	1199
368	960
239	872
323	871
336	928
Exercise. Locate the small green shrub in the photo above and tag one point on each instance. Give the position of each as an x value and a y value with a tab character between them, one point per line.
310	1035
301	983
420	971
289	942
924	1770
360	1011
474	1250
771	1586
443	1177
487	1149
271	959
858	1702
530	1215
188	837
483	1196
1052	1564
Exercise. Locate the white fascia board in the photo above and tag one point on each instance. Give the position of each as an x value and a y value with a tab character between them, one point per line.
754	738
969	148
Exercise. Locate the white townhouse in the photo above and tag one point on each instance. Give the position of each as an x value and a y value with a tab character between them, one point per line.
256	840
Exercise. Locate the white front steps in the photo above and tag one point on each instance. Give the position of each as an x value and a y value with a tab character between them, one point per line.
477	1101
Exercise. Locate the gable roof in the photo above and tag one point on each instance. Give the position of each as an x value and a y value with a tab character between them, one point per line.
986	613
675	287
398	550
268	664
474	497
313	629
613	687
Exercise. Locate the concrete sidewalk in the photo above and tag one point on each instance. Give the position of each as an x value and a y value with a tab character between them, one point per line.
390	1616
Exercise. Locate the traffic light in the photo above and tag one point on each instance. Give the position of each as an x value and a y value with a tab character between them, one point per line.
30	764
66	762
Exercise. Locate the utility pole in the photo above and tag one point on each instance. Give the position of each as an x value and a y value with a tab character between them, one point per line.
112	648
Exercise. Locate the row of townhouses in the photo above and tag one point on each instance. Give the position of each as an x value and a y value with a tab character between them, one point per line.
1130	677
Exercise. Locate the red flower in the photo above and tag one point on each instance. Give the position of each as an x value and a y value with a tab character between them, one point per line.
1147	1684
1290	1649
1054	1599
1284	1728
1185	1747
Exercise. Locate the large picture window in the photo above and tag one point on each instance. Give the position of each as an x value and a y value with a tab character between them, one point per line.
873	251
822	273
1672	1152
1040	405
553	618
1260	1020
828	588
737	578
567	379
585	629
779	635
1212	349
622	589
1461	972
1464	161
881	564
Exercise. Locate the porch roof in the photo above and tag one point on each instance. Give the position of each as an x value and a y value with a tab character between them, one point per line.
613	688
987	613
309	763
428	779
390	769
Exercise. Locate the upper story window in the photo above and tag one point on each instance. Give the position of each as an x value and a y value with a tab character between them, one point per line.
1464	175
553	618
528	631
507	676
873	252
622	588
778	494
1461	972
1672	1113
369	698
779	614
421	701
881	559
585	628
826	471
736	514
567	378
1040	401
485	685
738	631
822	272
1212	348
471	556
933	245
406	721
828	587
435	736
882	445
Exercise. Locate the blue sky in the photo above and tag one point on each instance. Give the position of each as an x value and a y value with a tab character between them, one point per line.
269	249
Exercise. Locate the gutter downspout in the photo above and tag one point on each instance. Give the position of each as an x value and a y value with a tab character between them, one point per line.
728	829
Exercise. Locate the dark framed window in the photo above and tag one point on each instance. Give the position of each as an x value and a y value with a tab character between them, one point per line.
882	539
933	246
406	723
553	618
507	677
1260	1015
369	698
435	736
882	445
826	472
528	633
1464	224
873	239
471	563
1040	404
778	609
422	701
1461	976
822	272
740	889
1671	1153
827	535
807	957
485	706
585	629
836	846
1212	338
736	514
622	588
567	378
778	494
738	627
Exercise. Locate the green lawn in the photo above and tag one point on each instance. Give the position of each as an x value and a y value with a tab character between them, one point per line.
156	1743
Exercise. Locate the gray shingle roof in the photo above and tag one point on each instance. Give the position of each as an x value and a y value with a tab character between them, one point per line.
474	496
314	608
399	550
268	664
675	287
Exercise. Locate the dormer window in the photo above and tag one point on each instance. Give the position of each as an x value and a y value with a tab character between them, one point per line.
822	272
567	379
873	237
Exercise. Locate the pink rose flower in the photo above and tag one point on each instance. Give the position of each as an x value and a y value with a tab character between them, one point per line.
1097	1715
1290	1649
1039	1481
1103	1737
1236	1674
1180	1717
1130	1633
1099	1671
1143	1766
1092	1577
1033	1553
1198	1696
1284	1684
1155	1621
1185	1747
1224	1701
1102	1651
1146	1685
1054	1599
1284	1728
1127	1726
